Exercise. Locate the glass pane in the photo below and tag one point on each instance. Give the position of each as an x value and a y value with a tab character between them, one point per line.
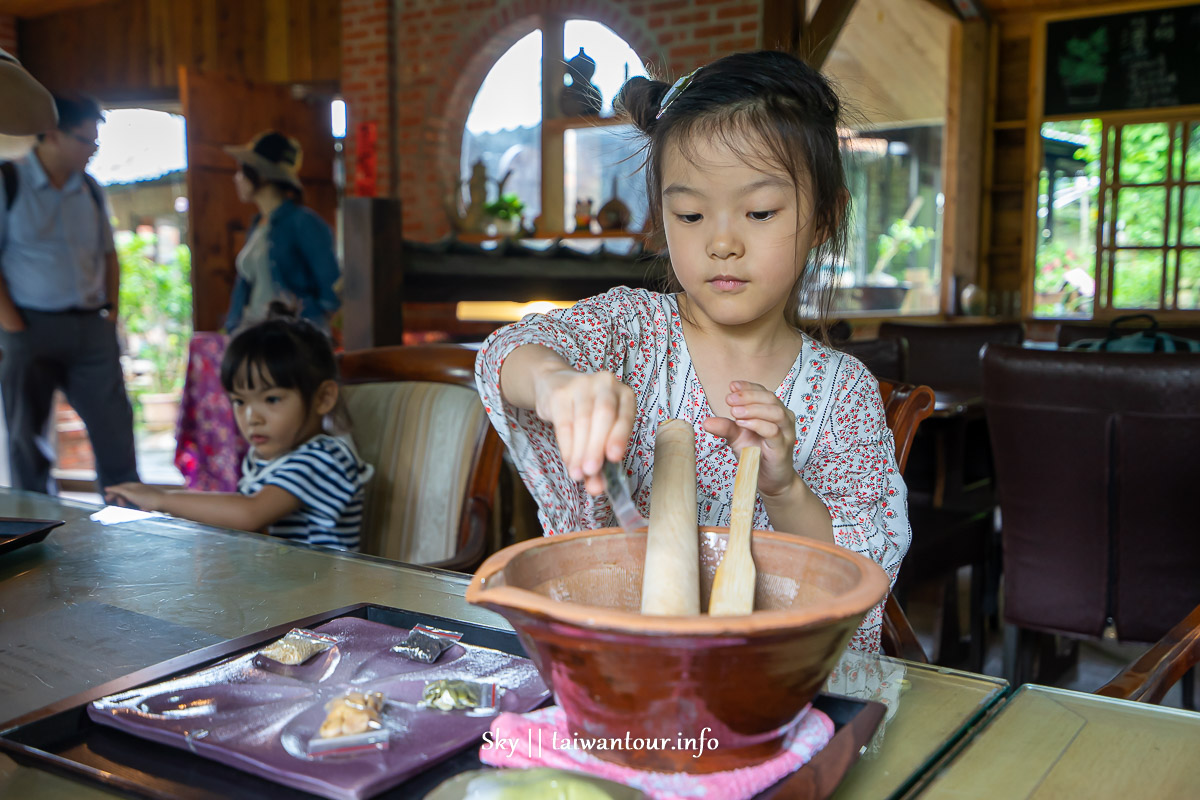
894	251
1141	212
928	707
1056	743
1137	278
1189	279
1064	281
504	130
1191	215
615	61
600	164
1144	152
1192	160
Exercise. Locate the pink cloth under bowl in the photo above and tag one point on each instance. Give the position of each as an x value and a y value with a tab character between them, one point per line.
531	737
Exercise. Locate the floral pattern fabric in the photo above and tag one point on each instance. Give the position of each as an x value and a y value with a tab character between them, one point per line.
844	450
208	446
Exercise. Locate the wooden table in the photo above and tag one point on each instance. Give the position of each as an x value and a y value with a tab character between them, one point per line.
95	603
1051	743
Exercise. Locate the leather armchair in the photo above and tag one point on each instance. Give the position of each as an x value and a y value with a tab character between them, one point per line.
1095	459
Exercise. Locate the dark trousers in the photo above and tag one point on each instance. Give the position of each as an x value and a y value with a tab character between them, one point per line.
78	353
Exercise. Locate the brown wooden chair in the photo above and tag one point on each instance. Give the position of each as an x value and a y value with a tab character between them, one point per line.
904	406
1174	656
417	418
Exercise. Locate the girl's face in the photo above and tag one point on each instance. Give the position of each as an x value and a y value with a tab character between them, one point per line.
275	420
245	189
732	233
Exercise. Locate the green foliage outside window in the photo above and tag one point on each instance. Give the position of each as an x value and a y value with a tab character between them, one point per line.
156	311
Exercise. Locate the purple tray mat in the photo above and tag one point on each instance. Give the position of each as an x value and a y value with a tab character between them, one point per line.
256	715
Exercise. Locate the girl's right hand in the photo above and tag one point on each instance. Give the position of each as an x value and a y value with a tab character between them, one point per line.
592	414
134	495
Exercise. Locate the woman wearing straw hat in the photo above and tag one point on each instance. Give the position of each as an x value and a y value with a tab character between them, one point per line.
289	250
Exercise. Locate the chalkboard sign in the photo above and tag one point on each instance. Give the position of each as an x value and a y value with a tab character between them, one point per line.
1143	59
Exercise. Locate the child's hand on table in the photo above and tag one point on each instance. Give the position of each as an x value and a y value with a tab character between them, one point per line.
592	415
135	495
760	419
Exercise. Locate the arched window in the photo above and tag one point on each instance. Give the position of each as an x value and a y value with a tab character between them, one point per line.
589	156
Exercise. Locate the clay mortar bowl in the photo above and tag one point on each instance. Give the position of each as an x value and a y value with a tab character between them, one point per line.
573	600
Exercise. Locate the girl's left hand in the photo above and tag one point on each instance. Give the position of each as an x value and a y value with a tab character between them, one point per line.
134	495
760	419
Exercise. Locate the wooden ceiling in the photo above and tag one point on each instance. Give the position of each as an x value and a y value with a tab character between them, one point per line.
890	61
37	8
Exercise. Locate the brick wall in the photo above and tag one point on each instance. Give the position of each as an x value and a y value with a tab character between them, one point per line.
8	34
368	88
444	49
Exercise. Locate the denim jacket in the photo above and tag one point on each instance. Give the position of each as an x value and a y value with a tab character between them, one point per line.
303	265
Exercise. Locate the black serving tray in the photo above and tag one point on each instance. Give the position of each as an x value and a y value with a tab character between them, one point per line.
16	532
61	738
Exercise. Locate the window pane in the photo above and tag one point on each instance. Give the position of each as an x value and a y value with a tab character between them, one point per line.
1191	215
616	61
504	126
1189	279
1137	278
1144	153
1192	171
1141	212
895	248
598	162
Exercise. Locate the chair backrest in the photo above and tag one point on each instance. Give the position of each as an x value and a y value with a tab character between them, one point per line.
946	355
886	358
418	419
1095	458
904	407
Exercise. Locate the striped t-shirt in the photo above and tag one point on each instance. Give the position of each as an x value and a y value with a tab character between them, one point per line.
328	477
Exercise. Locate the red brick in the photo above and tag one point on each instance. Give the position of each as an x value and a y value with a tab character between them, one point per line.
737	11
690	18
713	31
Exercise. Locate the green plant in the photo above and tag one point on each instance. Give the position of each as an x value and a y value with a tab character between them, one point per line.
1084	60
508	206
156	310
901	239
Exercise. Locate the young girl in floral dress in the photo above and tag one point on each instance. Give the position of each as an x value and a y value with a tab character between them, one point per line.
745	179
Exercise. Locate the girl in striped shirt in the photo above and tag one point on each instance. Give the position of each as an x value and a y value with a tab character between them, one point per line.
298	482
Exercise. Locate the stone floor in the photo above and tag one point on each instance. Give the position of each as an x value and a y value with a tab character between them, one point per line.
1098	662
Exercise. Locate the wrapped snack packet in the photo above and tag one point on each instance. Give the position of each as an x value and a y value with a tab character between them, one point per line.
298	646
458	695
352	724
426	644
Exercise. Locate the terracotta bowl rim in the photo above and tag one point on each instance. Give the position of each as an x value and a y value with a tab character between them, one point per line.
872	589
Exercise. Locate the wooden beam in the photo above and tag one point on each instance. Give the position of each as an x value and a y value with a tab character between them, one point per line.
963	158
782	21
822	31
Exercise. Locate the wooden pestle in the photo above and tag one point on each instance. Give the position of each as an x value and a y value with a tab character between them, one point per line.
733	585
671	581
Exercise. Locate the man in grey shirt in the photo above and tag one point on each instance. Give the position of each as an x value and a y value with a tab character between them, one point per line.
58	303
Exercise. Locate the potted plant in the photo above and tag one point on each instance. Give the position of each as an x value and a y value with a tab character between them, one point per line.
156	315
1082	68
505	212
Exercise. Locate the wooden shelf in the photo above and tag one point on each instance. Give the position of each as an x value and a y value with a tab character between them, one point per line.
1009	124
480	238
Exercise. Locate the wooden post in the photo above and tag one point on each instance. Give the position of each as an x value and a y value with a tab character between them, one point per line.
962	157
373	276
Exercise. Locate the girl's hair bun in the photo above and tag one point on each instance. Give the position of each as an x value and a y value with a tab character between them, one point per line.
640	98
283	309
